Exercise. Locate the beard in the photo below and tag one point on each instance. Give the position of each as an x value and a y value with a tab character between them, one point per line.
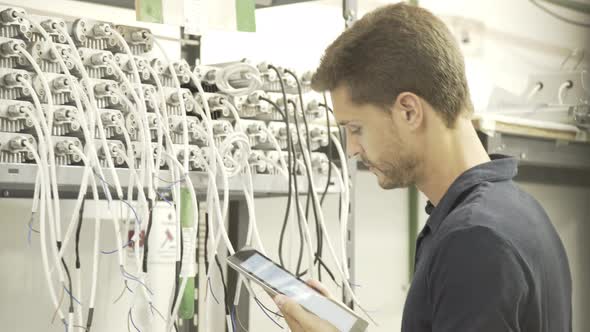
398	173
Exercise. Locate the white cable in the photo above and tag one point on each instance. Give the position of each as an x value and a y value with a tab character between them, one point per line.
44	167
248	186
141	101
97	224
143	128
247	71
163	125
52	168
182	105
163	118
174	162
561	90
534	91
44	255
109	160
346	193
323	225
303	220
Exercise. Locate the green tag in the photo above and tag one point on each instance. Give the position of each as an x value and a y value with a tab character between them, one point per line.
149	11
246	19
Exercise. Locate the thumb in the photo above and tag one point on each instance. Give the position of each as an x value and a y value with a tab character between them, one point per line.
290	307
293	311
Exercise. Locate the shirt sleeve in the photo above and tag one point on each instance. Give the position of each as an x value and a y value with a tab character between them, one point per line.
476	283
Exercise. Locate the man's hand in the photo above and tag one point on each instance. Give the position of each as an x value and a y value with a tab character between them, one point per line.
299	319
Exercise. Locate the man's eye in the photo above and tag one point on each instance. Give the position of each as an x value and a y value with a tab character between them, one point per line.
354	130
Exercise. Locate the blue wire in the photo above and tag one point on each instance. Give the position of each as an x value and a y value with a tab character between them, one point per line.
107	191
132	322
134	212
131	277
114	251
31	229
162	197
233	317
70	294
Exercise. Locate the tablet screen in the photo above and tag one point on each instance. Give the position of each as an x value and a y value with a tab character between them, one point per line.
286	283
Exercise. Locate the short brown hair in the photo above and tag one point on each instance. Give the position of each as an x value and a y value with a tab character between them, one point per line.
394	49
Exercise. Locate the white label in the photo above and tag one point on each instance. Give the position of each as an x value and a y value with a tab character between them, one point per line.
163	239
193	11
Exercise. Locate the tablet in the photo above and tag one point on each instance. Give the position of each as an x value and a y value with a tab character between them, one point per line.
276	280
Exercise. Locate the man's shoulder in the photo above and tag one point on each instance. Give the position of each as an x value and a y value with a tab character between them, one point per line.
503	208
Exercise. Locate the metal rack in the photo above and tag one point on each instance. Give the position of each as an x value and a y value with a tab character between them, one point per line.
18	180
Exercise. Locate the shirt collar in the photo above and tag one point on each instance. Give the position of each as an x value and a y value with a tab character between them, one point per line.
500	168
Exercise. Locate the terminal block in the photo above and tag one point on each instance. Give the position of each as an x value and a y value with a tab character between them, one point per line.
159	68
14	26
96	62
313	111
305	81
136	149
280	132
173	101
9	52
251	106
275	160
196	132
221	129
91	34
140	40
214	101
319	163
132	123
65	120
13	149
195	158
11	85
271	83
112	120
104	92
150	96
123	60
292	101
55	27
209	75
318	136
46	59
115	147
182	70
60	87
13	115
202	159
64	154
206	75
258	162
254	129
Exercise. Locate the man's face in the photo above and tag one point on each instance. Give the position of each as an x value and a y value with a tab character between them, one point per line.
373	135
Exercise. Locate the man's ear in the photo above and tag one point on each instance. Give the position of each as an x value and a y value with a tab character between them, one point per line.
410	110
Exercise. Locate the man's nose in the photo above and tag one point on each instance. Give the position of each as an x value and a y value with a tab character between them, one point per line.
353	148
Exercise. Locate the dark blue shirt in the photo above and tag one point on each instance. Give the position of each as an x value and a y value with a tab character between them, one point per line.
489	259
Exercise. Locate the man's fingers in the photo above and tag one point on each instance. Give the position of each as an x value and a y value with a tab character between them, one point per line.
319	287
297	317
291	308
294	326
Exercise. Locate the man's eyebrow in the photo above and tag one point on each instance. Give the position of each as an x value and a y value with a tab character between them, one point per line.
343	122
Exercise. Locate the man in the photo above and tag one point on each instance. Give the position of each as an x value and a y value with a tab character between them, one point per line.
488	258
